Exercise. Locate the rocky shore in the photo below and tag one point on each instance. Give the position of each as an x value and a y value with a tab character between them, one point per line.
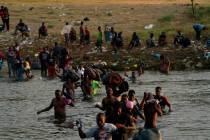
191	58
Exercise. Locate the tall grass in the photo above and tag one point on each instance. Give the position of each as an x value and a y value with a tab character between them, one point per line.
203	12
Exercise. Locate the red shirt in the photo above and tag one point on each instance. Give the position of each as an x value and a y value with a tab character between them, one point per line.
1	13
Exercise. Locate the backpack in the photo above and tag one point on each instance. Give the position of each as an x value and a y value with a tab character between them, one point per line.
92	73
71	75
115	78
123	87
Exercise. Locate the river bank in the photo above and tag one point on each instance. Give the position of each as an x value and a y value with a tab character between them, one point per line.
191	58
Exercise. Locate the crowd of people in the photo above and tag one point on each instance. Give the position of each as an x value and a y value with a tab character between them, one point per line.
122	111
121	114
17	66
121	108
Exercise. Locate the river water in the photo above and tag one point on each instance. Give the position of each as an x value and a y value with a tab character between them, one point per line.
189	93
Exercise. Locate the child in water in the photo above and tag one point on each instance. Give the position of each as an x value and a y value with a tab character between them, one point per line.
133	77
27	68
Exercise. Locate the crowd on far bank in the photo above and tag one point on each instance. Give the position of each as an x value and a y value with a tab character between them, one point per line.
109	36
108	39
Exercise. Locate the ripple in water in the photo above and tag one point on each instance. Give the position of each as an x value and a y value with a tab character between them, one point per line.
189	93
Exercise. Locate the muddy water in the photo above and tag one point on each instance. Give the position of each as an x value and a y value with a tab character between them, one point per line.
189	93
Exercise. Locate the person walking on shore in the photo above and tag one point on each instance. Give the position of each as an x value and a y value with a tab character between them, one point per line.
82	34
86	36
99	40
6	18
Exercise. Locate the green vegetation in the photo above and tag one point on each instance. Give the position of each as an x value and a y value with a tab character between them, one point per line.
167	18
203	12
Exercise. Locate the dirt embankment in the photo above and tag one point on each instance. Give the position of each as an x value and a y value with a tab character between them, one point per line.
190	58
124	15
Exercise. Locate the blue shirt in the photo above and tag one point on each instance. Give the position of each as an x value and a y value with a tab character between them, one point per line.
198	27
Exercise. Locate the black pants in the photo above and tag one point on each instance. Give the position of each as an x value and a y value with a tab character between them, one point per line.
6	22
3	22
198	35
44	70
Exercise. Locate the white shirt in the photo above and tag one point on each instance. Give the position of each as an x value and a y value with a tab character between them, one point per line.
66	29
101	134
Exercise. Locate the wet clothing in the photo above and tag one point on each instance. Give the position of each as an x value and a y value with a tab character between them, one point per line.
27	65
19	69
69	91
63	56
95	86
59	54
108	105
51	67
101	134
148	134
11	54
124	120
44	57
163	101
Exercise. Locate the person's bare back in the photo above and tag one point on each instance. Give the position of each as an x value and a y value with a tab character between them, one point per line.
59	109
151	111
